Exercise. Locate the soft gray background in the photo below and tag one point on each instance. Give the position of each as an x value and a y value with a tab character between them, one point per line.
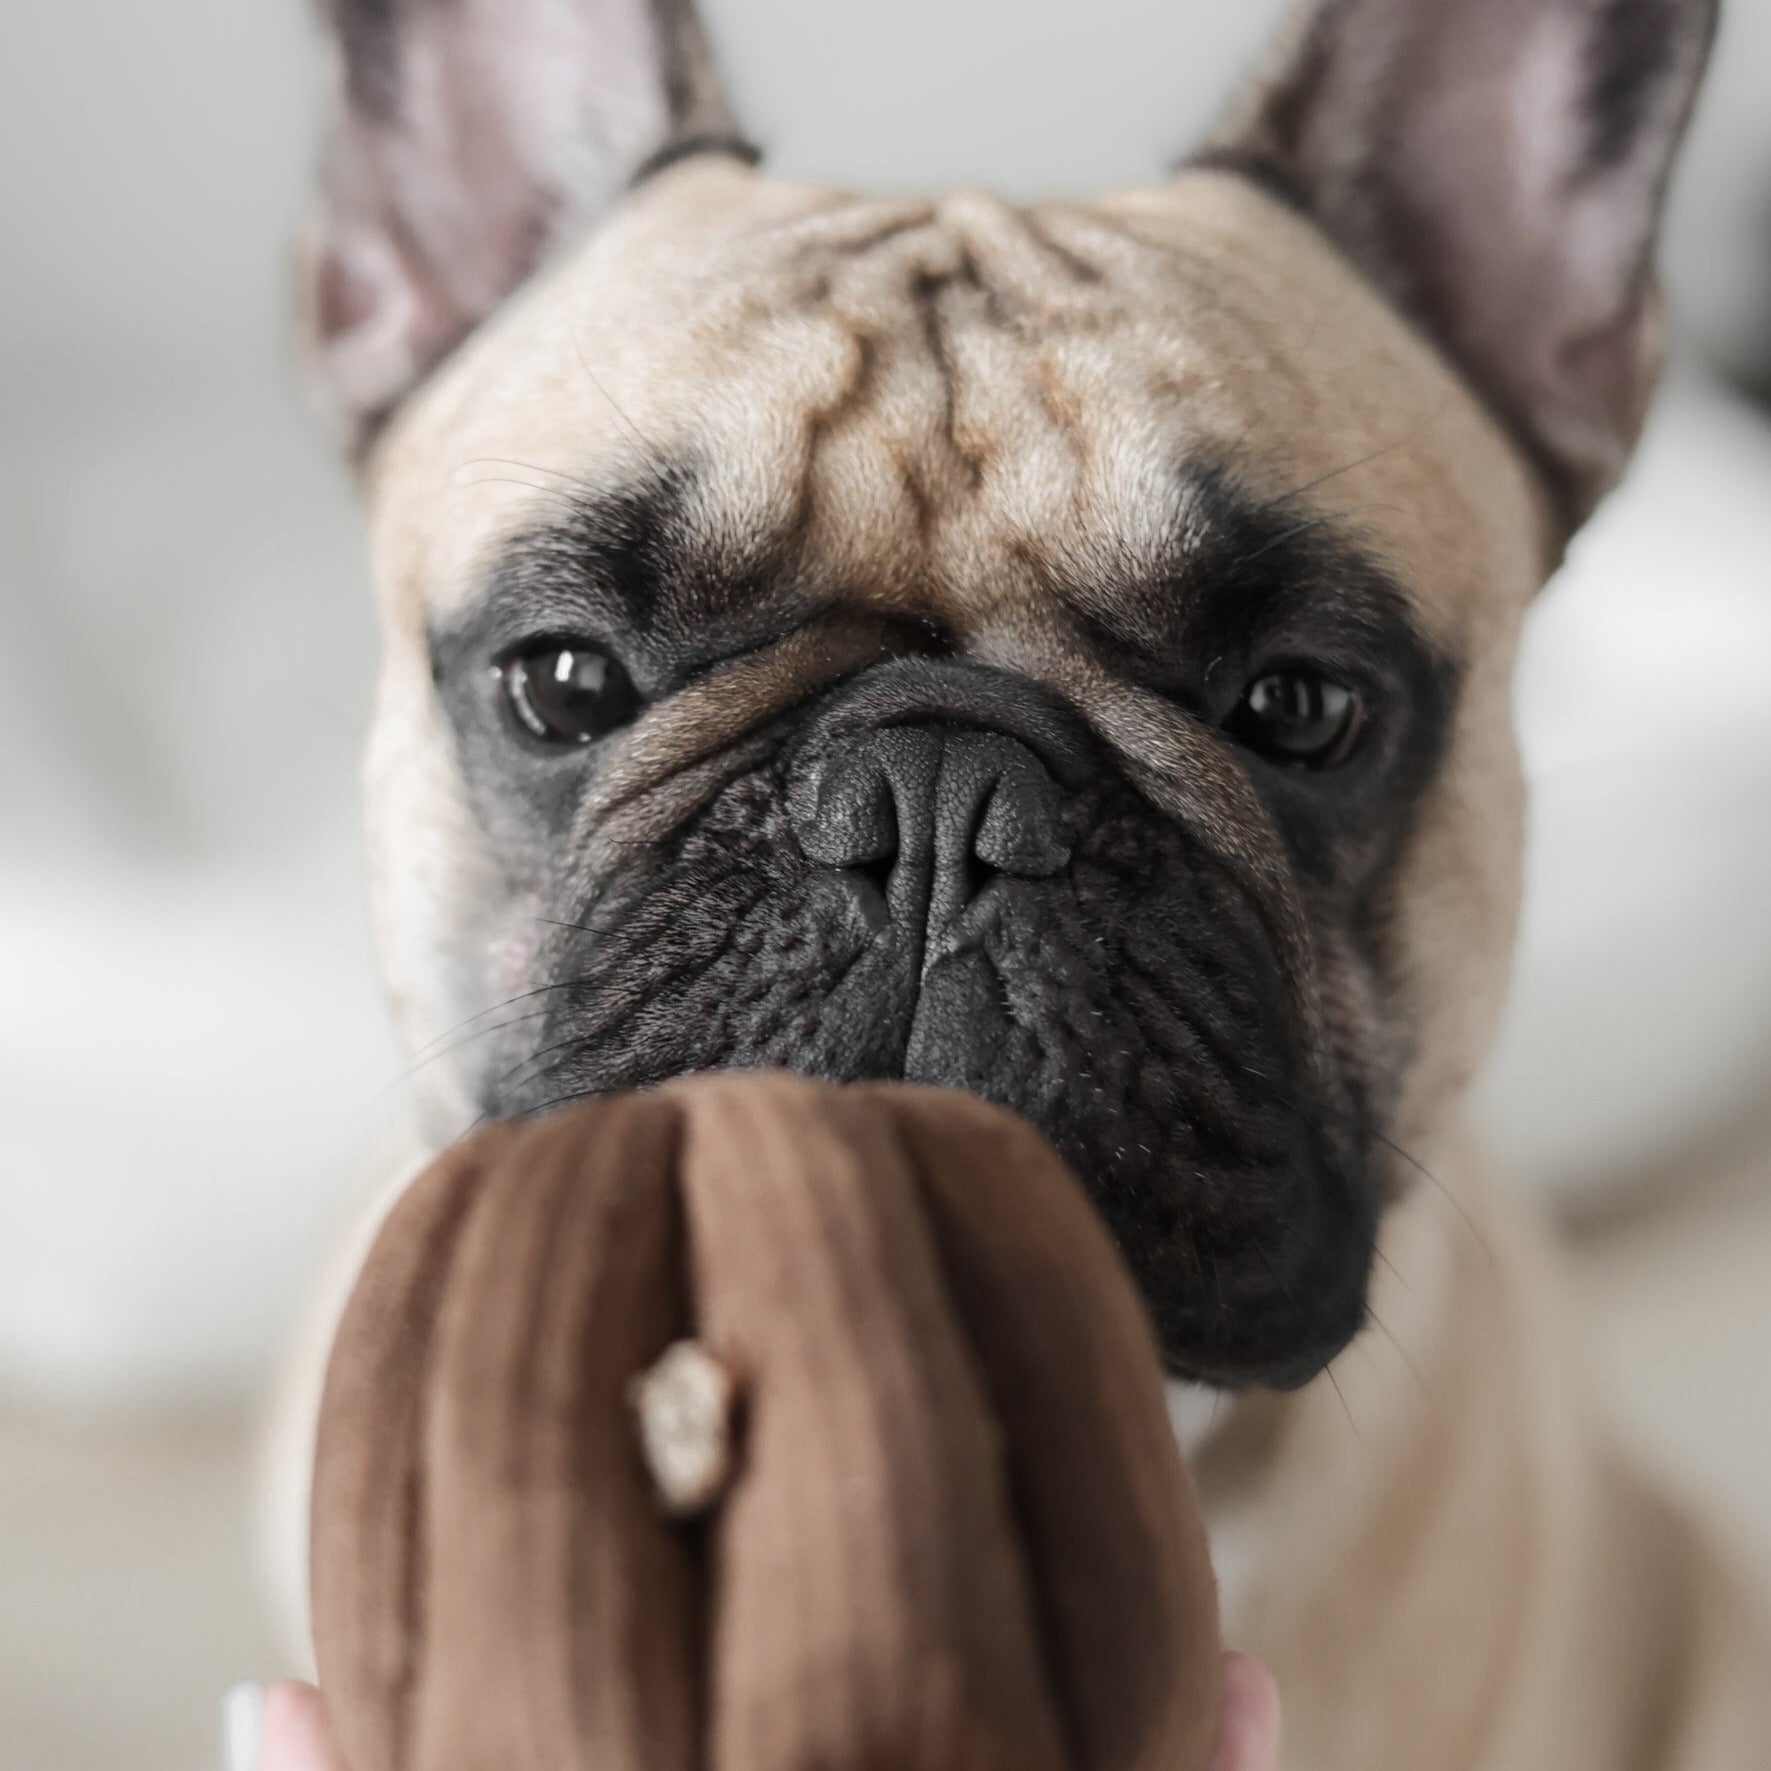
194	1070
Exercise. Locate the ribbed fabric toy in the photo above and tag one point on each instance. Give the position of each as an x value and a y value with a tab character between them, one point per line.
754	1424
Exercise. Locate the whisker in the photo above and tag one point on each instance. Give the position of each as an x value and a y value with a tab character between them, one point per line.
496	1008
581	1094
1395	1272
461	1045
577	1042
557	498
1445	1192
1291	534
575	481
1285	1292
1365	460
1364	1126
1304	527
553	922
446	1044
595	381
1328	1372
1401	1352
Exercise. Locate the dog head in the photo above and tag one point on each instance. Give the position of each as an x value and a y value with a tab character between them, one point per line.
1061	652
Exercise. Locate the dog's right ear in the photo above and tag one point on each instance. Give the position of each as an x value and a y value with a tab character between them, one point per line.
468	138
1498	168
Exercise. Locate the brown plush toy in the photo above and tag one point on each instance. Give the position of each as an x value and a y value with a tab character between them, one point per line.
756	1425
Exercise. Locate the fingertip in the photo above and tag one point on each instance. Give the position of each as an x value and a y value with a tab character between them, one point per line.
1251	1730
297	1735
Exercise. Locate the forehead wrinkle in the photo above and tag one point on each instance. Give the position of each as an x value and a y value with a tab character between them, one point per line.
1007	432
968	441
1084	348
971	326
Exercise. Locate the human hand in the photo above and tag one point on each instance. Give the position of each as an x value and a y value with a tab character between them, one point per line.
283	1727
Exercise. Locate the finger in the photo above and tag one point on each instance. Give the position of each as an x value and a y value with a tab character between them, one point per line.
281	1727
1250	1737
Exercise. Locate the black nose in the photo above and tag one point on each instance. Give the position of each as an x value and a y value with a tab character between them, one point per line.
927	815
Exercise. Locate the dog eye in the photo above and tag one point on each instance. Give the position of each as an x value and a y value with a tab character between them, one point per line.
568	691
1299	716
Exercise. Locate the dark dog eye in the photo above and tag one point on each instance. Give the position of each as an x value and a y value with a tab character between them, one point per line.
568	691
1299	716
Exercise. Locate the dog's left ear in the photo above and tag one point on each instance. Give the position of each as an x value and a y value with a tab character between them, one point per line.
468	137
1498	168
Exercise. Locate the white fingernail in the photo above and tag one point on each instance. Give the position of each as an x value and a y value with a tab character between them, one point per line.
242	1727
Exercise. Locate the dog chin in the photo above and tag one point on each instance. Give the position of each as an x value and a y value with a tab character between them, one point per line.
1131	1009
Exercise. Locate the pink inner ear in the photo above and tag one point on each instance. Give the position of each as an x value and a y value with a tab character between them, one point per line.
343	300
513	122
365	322
1473	156
1488	137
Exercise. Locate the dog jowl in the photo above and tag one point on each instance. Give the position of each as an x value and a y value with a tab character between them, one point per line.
1060	652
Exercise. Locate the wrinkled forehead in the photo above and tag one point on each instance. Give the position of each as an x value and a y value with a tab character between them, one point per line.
934	403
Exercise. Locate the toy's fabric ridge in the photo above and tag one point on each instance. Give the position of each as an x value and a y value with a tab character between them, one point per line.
959	1533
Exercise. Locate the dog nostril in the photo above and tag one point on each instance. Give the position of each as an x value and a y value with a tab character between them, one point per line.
931	811
851	820
1021	830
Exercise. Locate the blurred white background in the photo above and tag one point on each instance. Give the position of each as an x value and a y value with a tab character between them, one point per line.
194	1066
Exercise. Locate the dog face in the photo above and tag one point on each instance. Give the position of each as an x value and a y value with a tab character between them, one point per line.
1059	652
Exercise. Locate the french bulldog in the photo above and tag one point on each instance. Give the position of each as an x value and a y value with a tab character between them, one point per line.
1061	652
